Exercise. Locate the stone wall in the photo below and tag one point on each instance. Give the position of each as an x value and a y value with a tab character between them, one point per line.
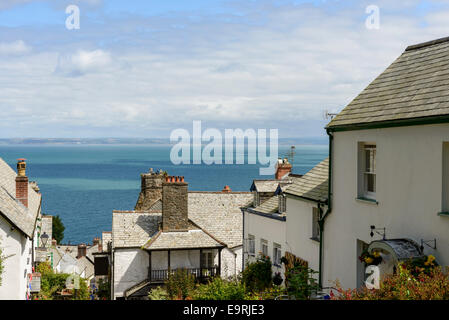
174	205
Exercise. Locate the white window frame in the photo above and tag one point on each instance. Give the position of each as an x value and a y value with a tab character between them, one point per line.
264	243
251	245
277	254
367	149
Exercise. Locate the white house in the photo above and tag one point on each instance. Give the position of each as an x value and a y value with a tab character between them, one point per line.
20	215
171	229
389	164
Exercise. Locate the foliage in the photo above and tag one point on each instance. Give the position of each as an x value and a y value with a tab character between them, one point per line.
257	276
58	229
53	283
104	290
158	294
408	284
219	289
180	284
301	282
419	265
269	294
2	258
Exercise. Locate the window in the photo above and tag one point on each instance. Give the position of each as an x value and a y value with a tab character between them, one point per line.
264	247
315	224
207	260
367	171
445	187
277	254
251	245
282	203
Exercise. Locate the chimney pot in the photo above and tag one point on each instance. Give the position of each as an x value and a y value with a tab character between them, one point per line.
82	249
226	189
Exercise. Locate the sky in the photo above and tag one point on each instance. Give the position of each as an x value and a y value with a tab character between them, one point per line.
145	68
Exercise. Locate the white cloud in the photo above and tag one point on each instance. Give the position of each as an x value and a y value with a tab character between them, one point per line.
82	62
14	48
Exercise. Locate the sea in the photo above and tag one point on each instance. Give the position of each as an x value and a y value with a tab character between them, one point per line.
84	183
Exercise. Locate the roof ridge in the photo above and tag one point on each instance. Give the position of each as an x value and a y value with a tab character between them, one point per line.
427	44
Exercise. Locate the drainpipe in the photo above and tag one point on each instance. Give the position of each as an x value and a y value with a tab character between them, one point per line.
329	207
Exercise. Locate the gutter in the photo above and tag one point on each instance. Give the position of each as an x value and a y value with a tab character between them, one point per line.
329	208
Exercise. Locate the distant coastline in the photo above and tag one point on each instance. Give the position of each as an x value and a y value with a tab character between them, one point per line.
135	141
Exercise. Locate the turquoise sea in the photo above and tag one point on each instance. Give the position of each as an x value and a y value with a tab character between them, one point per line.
84	183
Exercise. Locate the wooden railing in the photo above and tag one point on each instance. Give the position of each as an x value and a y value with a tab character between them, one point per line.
199	273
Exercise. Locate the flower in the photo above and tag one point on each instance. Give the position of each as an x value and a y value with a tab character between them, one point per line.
376	254
369	260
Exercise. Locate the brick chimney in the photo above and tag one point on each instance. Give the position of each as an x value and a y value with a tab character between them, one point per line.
174	204
22	182
96	241
150	190
82	250
226	189
283	167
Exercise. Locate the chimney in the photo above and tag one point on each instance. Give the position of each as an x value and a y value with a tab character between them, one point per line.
53	243
150	190
81	250
96	241
283	168
22	182
226	189
174	204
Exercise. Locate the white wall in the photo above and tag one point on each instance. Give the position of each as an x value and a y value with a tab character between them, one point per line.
272	230
16	247
409	192
299	231
130	268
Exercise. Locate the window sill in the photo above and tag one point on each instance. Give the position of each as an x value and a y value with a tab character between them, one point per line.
367	200
315	239
443	214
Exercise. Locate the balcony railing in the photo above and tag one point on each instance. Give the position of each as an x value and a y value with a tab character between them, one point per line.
199	273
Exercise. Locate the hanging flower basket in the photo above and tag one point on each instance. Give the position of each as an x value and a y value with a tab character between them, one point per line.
373	258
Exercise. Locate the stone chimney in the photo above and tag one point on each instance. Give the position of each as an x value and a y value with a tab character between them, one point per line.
226	189
174	204
53	242
22	182
82	250
150	190
283	168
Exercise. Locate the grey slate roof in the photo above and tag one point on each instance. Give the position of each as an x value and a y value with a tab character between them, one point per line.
182	240
416	85
313	185
23	218
220	214
269	206
265	185
133	229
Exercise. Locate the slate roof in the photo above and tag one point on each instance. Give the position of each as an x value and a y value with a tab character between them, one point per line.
265	185
269	206
20	216
313	185
182	240
133	229
416	85
220	214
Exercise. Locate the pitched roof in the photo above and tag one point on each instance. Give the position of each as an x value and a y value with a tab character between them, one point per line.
313	185
269	206
182	240
415	86
265	185
22	217
220	214
133	229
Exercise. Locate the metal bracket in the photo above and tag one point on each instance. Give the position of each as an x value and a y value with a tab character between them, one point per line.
376	230
427	243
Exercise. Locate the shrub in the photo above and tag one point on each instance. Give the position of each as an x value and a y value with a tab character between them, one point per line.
428	284
257	276
180	284
301	282
158	294
219	289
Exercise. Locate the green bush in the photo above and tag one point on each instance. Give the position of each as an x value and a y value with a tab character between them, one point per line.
301	282
180	284
158	294
408	284
257	276
219	289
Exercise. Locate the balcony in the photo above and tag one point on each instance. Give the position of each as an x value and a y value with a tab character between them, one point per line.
200	274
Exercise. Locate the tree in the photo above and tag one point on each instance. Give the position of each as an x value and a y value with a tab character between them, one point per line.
58	229
257	276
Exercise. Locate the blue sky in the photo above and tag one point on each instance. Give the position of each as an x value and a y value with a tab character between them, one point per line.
145	68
